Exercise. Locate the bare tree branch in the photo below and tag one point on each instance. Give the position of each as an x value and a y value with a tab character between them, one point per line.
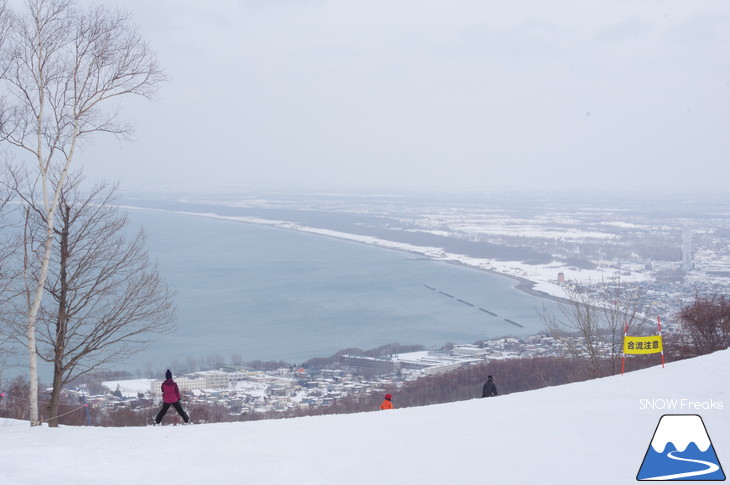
707	323
107	299
590	323
61	67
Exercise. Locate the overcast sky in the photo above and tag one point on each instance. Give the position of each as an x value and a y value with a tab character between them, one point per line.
425	94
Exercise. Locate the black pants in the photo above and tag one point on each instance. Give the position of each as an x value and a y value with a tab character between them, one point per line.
178	408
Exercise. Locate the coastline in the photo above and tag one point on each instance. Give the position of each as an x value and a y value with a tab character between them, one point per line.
523	284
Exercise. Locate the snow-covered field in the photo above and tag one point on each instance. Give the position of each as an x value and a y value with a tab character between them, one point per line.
130	387
593	432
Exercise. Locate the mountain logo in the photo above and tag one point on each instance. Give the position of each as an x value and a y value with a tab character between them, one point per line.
681	450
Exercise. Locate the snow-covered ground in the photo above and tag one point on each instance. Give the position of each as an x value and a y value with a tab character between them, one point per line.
593	432
130	386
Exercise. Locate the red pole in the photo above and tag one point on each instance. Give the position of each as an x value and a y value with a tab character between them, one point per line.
659	329
623	354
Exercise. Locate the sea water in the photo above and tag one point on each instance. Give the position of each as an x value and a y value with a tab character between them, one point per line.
263	293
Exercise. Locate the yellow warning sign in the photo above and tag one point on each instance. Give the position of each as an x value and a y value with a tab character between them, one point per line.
643	345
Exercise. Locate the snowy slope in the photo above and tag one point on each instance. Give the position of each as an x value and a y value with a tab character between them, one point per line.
592	432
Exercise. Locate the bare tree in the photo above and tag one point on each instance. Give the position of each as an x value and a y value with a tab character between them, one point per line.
62	69
8	269
106	298
590	322
706	321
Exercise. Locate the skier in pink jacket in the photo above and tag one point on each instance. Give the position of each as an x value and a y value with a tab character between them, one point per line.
170	397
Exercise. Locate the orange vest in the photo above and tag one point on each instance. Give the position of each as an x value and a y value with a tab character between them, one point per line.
386	405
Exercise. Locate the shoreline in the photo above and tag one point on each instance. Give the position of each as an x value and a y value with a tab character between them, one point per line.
525	285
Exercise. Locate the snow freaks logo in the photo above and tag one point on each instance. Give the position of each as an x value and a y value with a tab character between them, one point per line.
681	450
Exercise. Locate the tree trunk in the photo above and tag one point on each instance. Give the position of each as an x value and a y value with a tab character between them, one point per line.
33	373
33	316
55	397
61	321
51	207
34	307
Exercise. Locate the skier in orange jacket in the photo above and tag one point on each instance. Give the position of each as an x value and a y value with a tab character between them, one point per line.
387	404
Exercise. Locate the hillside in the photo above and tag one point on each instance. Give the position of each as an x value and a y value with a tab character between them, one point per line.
591	432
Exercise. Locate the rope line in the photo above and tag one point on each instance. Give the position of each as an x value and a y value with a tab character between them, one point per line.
72	411
20	399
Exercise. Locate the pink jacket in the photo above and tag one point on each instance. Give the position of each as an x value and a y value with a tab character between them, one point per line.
170	392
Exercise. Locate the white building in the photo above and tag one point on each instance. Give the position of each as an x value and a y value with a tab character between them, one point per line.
183	383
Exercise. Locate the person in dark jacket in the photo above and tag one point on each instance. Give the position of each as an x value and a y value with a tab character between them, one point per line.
490	388
170	397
